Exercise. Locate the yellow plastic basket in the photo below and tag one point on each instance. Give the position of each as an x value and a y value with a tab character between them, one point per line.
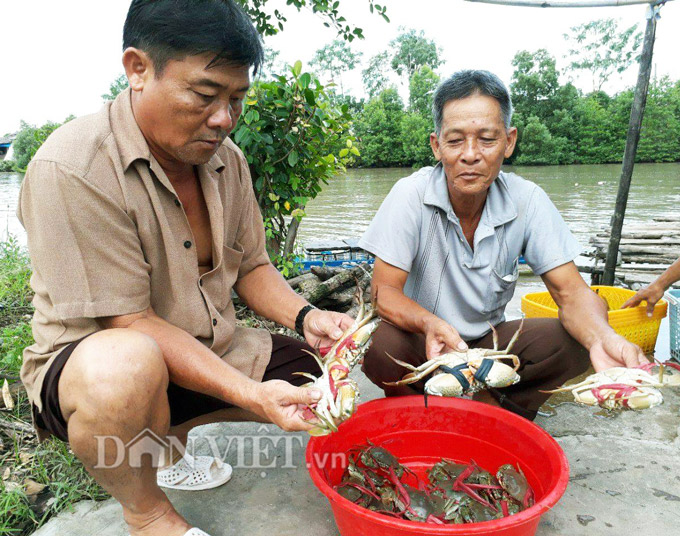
632	323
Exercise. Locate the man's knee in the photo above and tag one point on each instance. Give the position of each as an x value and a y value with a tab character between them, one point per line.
391	340
113	368
568	354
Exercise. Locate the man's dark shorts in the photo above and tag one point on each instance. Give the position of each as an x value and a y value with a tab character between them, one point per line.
287	357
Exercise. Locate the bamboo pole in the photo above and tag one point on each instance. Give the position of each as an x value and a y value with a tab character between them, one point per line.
637	112
565	3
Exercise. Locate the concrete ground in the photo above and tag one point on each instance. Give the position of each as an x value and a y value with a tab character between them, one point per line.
624	475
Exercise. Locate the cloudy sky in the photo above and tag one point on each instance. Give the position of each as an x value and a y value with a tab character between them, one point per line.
59	57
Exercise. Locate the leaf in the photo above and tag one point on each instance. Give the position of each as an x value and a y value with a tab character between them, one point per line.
310	97
344	153
305	79
31	487
355	151
297	68
7	396
273	196
293	158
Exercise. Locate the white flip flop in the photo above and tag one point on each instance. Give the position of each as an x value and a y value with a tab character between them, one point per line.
196	532
194	474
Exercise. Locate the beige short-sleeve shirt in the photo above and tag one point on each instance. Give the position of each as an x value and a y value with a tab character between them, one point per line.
107	236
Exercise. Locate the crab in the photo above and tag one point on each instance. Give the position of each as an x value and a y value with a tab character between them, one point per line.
624	388
339	392
459	373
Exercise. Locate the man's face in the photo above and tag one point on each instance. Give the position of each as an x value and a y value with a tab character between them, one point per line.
472	144
187	112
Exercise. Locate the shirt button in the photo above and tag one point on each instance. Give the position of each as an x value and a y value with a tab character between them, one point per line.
177	202
187	244
214	321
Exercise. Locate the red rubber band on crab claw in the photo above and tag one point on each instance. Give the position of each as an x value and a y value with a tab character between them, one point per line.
622	390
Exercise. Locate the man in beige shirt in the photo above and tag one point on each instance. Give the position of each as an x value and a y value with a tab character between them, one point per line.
141	219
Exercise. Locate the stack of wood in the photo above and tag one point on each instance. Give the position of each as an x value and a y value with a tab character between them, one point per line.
645	251
334	288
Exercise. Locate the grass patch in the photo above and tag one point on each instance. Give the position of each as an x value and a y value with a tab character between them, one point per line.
37	481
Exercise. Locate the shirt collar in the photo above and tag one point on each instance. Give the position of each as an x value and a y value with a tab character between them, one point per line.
131	142
499	207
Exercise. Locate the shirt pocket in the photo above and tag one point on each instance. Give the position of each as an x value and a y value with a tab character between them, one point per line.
231	260
501	288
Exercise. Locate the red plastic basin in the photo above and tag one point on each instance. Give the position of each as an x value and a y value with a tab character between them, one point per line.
448	428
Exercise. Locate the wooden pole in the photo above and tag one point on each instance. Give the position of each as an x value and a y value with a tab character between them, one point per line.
636	114
565	3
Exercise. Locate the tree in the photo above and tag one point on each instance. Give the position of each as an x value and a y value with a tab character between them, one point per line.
538	146
29	140
374	76
660	132
421	90
272	66
534	84
295	139
334	59
329	10
413	50
119	85
415	139
602	49
378	131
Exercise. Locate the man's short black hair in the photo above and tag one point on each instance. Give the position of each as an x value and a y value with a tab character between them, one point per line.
466	83
174	29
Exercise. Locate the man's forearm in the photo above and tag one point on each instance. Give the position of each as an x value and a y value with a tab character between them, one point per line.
194	366
584	315
670	276
400	310
267	293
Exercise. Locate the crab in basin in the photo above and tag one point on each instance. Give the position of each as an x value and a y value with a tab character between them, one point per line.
624	388
459	373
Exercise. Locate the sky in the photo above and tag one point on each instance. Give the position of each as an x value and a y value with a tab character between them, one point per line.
60	57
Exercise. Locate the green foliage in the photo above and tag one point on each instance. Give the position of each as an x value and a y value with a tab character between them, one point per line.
14	339
602	49
415	139
6	166
329	10
421	90
29	139
379	129
15	274
119	85
53	464
538	145
375	75
414	50
334	59
535	82
295	139
660	132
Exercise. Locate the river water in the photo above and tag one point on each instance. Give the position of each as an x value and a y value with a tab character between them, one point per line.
585	196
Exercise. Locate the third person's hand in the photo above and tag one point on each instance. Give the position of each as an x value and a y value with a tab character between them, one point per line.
651	294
